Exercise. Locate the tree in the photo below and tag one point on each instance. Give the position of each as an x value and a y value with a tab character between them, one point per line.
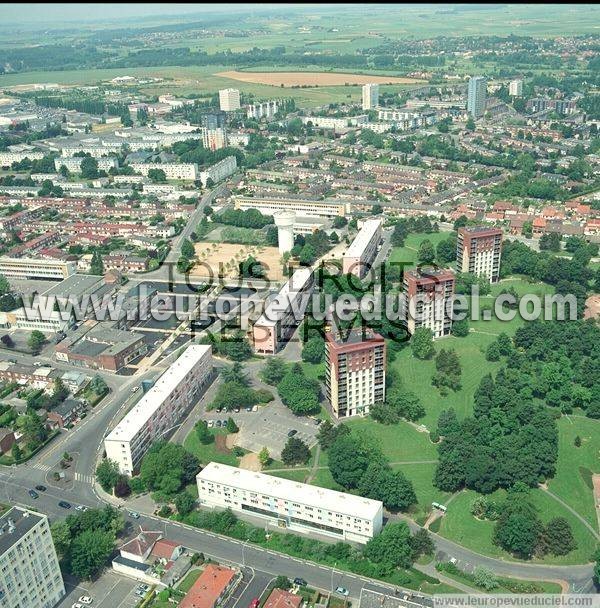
16	452
379	482
264	457
557	537
273	371
392	546
328	433
231	425
89	552
348	461
460	329
122	488
426	253
185	503
96	265
493	352
421	543
470	124
61	536
282	582
89	168
577	441
518	528
421	343
157	176
485	578
167	467
446	250
313	350
187	249
202	432
461	222
107	474
36	340
550	242
298	392
295	452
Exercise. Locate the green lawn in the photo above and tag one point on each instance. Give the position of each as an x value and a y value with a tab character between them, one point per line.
190	578
461	527
408	253
209	453
572	482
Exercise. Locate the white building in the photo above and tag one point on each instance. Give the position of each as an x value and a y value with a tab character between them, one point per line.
289	504
283	314
99	150
363	250
36	318
8	158
515	88
302	207
330	122
183	171
29	571
73	164
370	96
160	409
33	268
229	100
214	139
265	109
224	168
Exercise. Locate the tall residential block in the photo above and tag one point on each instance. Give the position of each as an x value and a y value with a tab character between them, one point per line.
214	132
355	371
229	100
362	252
478	251
429	296
160	409
515	88
29	571
370	96
477	96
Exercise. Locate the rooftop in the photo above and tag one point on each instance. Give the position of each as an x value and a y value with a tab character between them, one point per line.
208	588
363	238
75	285
280	598
251	481
15	524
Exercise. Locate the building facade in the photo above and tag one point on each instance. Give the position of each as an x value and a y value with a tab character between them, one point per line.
33	268
219	171
289	504
229	100
282	315
29	571
370	96
477	96
183	171
355	372
302	207
428	296
478	251
159	410
363	250
515	88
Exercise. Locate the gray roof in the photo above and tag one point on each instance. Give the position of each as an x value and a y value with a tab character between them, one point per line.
22	522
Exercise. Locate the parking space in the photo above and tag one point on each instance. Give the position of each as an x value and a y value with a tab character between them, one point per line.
108	591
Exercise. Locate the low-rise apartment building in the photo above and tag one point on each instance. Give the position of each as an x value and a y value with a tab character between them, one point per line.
161	408
224	168
33	268
73	164
302	207
289	504
182	171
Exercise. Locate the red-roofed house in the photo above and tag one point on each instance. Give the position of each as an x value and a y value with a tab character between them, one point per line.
167	549
592	226
138	549
538	226
283	599
212	586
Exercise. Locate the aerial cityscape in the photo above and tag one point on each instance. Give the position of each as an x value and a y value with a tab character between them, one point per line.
299	305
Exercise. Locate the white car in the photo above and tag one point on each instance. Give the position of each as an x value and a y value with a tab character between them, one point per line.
77	605
211	424
342	591
86	599
82	508
135	389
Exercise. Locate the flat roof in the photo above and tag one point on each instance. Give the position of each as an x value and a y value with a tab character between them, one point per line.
75	285
22	521
339	502
155	397
363	238
277	308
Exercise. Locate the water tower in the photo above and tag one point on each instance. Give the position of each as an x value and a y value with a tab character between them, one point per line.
284	220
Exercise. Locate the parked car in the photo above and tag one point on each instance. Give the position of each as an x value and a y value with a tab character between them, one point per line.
81	508
300	582
135	389
255	408
254	603
33	494
64	504
236	410
318	421
219	410
341	590
210	424
218	423
77	605
134	514
249	408
40	488
292	432
86	599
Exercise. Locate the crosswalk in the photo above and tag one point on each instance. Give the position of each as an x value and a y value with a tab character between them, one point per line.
89	479
41	467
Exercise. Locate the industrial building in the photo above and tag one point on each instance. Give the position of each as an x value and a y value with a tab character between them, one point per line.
362	252
355	371
161	408
429	296
478	251
289	504
282	315
30	574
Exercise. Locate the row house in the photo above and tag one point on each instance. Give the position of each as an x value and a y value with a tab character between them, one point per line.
49	238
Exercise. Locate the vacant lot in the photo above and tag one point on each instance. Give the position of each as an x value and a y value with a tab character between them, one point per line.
312	79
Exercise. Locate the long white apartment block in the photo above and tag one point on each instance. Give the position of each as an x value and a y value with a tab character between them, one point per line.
283	314
160	409
183	171
302	207
224	168
363	250
73	164
8	158
289	504
33	268
30	574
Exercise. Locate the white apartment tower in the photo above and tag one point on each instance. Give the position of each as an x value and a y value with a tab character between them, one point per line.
29	571
478	251
229	100
370	96
515	88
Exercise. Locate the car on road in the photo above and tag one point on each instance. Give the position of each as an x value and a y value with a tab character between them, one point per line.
292	432
86	599
33	494
40	488
254	603
300	582
135	389
81	508
64	504
77	605
134	514
341	590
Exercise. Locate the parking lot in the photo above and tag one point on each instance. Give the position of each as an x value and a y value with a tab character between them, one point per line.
109	591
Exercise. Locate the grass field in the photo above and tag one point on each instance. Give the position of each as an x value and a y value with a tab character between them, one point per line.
208	452
313	79
461	527
408	253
